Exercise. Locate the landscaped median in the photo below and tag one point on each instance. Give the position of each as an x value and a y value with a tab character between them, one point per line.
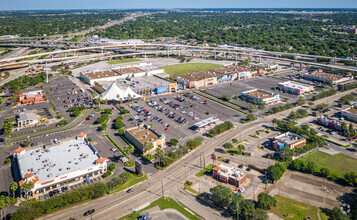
134	179
53	128
220	103
165	203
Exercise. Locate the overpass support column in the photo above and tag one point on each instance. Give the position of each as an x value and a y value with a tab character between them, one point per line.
145	55
315	59
236	56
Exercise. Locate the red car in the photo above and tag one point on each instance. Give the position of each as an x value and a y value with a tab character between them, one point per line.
88	118
166	129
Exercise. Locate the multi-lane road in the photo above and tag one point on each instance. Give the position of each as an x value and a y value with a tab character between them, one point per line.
173	177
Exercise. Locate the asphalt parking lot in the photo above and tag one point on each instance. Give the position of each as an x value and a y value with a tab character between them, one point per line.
189	111
237	87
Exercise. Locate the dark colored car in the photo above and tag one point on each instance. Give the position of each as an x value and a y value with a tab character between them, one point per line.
130	190
89	212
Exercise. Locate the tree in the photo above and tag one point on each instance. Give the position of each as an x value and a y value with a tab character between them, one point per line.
351	131
276	171
160	153
173	141
62	122
148	146
228	145
13	188
7	73
338	214
221	196
351	178
286	99
76	113
344	127
260	214
234	140
264	105
301	101
266	201
129	149
250	117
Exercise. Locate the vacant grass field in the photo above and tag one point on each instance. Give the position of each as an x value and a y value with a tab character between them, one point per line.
77	38
291	209
164	203
189	67
122	61
339	163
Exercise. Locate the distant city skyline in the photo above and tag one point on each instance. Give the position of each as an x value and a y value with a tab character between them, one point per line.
142	4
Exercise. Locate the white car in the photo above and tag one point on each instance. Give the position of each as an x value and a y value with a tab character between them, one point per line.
241	190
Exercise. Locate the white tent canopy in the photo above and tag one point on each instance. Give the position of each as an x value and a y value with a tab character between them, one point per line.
115	93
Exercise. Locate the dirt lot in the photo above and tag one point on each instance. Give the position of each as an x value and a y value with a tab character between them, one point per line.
312	190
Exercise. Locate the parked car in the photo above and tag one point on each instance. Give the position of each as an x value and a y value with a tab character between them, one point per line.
130	190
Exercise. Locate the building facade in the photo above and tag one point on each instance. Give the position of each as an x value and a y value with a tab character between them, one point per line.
228	174
295	87
26	119
330	123
288	139
261	96
32	97
350	113
66	163
323	77
145	139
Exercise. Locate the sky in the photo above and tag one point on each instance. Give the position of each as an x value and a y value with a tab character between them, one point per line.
125	4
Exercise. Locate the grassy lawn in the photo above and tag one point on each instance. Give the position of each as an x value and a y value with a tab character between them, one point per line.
133	180
339	163
205	171
122	61
189	67
77	38
291	209
165	203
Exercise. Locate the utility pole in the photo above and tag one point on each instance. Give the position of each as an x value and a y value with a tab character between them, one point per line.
237	210
162	185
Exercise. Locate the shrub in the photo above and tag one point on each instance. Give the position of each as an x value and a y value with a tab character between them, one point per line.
111	166
218	129
62	122
107	174
173	141
129	163
228	145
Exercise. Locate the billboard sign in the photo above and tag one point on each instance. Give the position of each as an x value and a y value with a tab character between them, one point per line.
138	167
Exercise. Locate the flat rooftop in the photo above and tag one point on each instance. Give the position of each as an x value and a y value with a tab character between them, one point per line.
143	134
326	76
57	160
352	110
129	70
288	138
140	83
295	85
230	171
101	74
259	94
198	75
